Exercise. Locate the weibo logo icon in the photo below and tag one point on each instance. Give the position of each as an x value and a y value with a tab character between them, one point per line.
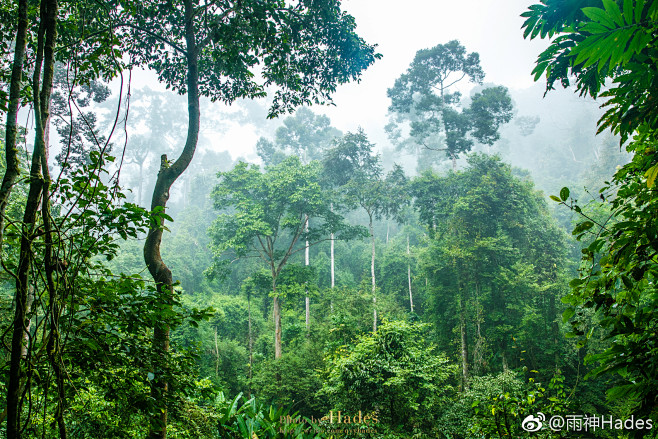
532	424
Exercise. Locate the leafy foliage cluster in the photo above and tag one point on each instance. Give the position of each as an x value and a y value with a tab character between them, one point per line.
444	324
613	40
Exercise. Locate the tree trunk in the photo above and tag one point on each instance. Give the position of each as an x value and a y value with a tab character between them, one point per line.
464	340
216	355
333	274
277	328
55	301
11	152
411	296
45	55
372	274
333	266
307	263
276	309
478	350
166	177
251	341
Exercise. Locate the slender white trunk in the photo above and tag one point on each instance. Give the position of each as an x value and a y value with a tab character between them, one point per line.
307	263
333	274
388	227
374	284
216	354
251	341
333	266
411	297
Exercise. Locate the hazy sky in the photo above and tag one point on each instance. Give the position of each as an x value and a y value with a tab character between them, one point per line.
491	28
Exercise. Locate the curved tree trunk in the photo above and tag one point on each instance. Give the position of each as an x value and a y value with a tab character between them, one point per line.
166	177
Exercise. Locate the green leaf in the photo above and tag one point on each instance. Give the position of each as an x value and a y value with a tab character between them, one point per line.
639	8
554	198
567	314
613	11
564	193
624	391
651	175
575	282
582	227
600	16
628	11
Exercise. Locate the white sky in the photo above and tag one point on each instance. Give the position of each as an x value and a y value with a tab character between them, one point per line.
491	28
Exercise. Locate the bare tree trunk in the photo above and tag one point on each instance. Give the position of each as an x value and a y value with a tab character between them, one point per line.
277	328
307	263
333	266
216	354
411	296
166	177
372	274
11	152
251	341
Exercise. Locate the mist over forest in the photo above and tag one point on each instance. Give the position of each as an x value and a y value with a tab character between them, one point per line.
268	219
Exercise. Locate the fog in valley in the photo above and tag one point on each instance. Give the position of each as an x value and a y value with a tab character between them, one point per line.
274	219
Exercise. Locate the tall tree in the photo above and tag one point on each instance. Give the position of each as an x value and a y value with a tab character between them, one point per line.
486	226
305	135
356	172
425	98
42	83
213	49
266	217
